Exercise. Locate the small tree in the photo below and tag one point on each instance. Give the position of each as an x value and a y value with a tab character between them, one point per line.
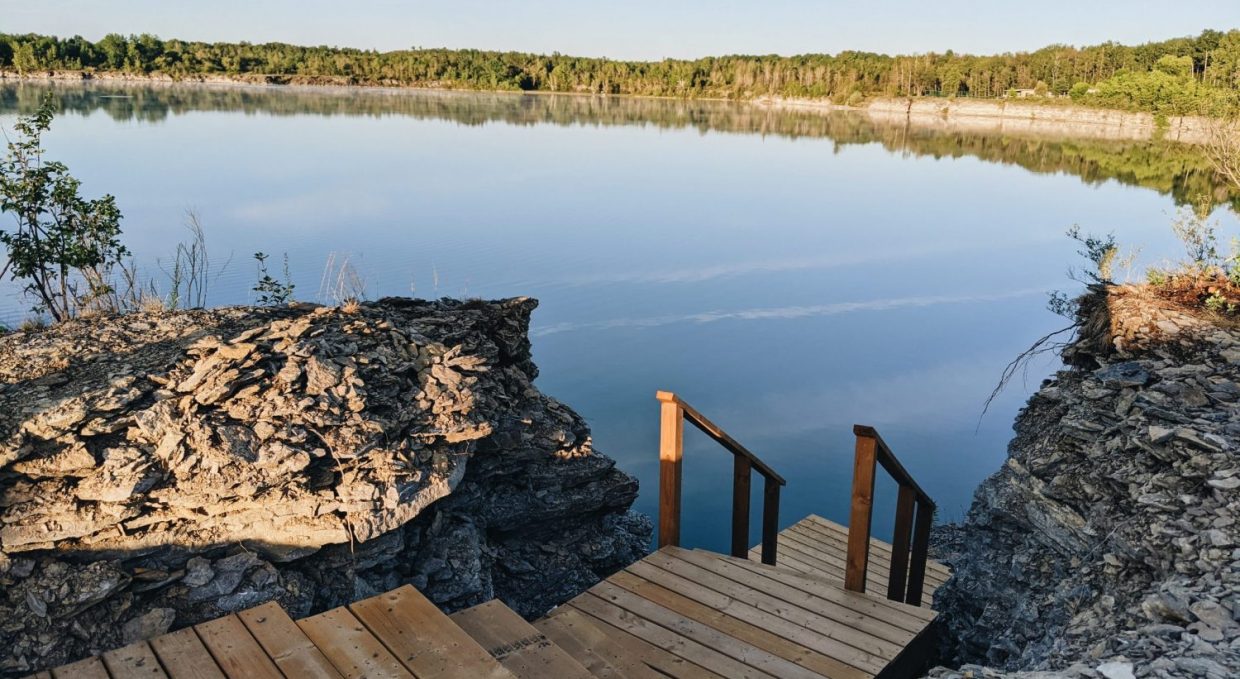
64	247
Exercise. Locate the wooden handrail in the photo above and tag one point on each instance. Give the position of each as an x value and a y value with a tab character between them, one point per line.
891	464
914	516
717	433
673	413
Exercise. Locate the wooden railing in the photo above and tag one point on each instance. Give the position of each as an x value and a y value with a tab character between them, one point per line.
673	413
908	572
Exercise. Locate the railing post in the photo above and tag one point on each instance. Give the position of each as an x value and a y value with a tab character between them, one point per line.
859	517
741	471
921	550
671	452
898	579
770	519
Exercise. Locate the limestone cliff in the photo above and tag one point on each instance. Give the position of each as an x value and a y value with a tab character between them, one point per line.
159	470
1107	545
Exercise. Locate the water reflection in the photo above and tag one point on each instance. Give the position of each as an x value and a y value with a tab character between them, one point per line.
1175	169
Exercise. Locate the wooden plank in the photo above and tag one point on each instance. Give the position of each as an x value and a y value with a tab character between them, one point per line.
654	657
184	657
284	642
350	646
890	462
808	544
423	638
770	522
671	455
752	657
828	562
771	633
516	644
880	552
836	550
603	656
901	534
840	532
720	436
921	548
669	639
901	615
741	473
861	512
86	668
134	661
867	631
234	650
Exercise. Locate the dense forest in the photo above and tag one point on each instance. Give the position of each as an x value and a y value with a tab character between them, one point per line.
1180	76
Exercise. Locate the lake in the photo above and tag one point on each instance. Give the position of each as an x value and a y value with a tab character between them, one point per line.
788	273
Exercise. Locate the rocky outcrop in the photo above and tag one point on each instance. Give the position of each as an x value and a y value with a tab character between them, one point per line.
1051	118
160	470
1108	544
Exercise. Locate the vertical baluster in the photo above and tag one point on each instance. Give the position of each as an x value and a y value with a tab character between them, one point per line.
671	452
740	506
770	520
921	549
898	578
862	510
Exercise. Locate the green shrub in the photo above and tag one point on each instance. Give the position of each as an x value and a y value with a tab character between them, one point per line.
269	291
64	247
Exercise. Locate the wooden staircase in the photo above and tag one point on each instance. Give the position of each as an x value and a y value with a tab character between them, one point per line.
788	607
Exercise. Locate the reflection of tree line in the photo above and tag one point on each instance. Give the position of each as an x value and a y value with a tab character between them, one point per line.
1175	169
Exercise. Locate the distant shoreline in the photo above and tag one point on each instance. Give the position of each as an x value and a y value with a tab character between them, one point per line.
1019	116
946	114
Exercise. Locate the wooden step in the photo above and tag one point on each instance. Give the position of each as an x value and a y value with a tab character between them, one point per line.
684	614
516	644
819	547
598	652
425	640
696	613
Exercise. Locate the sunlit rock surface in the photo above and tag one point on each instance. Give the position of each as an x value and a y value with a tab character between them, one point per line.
159	470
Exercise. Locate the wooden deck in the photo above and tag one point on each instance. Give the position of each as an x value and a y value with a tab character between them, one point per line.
693	613
676	613
817	546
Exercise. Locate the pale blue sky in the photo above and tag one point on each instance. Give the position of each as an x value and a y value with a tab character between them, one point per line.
637	29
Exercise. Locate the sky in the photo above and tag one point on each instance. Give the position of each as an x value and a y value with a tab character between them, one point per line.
636	29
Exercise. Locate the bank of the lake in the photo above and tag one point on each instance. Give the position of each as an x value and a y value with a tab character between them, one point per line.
1108	545
1045	117
1050	117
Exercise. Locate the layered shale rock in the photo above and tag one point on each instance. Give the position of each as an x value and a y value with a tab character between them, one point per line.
1108	544
159	470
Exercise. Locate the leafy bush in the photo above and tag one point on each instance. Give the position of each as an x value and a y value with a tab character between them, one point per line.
64	247
269	291
1101	252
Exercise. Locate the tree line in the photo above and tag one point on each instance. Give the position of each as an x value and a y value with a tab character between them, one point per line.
1187	75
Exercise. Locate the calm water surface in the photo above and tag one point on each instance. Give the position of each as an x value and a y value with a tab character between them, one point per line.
789	274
